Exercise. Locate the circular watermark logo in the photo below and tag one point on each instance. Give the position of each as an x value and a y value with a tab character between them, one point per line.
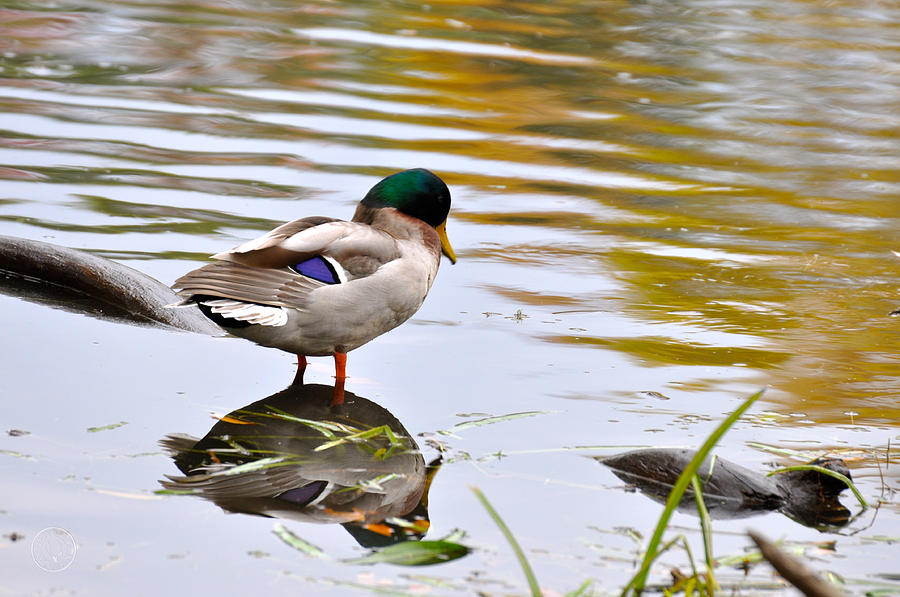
53	549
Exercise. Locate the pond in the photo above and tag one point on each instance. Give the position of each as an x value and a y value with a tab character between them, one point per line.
658	208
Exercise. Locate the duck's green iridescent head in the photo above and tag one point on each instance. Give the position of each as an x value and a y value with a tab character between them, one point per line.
418	193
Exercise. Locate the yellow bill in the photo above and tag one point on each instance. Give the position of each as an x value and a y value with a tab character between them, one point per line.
445	242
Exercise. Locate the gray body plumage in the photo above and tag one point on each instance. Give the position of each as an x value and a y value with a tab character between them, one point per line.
385	259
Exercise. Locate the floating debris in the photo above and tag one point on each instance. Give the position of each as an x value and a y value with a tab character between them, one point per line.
107	427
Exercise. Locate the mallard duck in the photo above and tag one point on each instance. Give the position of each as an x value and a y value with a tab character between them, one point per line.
320	286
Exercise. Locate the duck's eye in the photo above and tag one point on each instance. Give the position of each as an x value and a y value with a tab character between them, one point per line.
317	268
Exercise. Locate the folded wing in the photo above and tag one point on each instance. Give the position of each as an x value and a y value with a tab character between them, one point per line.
282	267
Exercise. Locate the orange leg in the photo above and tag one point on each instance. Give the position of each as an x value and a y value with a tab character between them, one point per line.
301	368
340	365
340	375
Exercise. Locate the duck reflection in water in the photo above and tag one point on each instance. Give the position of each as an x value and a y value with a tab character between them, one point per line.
298	455
733	491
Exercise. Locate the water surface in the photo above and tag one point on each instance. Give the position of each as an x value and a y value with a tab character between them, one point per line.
658	208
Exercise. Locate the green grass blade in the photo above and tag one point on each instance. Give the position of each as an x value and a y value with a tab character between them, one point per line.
107	427
640	579
582	590
824	471
520	555
255	465
786	452
297	542
454	536
360	437
706	528
687	550
491	421
174	492
413	553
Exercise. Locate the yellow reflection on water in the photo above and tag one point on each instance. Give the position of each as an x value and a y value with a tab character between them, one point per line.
709	186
